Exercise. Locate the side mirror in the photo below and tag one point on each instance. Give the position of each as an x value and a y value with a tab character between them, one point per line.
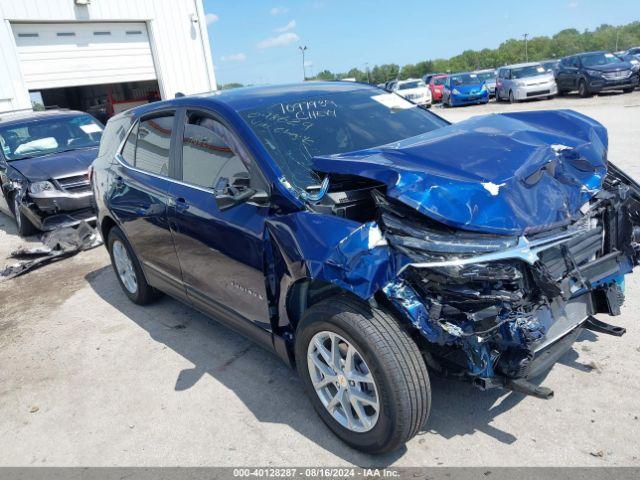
225	201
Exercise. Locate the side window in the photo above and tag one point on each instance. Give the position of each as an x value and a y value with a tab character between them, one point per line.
153	144
207	159
575	62
129	149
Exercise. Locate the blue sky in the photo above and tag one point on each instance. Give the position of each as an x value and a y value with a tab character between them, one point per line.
256	41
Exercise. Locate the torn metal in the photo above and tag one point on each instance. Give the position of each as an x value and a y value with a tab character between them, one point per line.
56	245
496	238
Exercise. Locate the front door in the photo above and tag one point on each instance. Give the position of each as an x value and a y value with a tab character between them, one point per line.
221	250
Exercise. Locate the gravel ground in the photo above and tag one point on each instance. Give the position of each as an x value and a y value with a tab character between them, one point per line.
88	378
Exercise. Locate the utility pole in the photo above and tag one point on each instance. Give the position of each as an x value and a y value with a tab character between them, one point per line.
526	49
304	71
366	66
617	37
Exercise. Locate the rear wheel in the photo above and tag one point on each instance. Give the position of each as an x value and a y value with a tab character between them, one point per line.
512	98
128	269
364	374
498	99
24	226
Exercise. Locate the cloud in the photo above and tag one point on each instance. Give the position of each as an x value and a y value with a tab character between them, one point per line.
234	57
308	63
279	40
279	10
211	18
289	26
573	4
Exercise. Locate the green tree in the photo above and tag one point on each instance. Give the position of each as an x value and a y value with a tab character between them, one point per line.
563	43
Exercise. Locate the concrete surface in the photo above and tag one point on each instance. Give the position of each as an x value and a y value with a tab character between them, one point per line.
87	378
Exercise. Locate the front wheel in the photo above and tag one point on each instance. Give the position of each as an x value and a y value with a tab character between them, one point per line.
629	90
583	90
512	98
23	224
364	374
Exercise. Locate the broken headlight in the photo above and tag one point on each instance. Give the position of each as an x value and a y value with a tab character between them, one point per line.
39	187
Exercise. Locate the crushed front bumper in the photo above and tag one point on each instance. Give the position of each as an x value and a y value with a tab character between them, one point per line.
509	314
52	210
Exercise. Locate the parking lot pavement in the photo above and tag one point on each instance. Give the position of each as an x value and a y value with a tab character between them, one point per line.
87	378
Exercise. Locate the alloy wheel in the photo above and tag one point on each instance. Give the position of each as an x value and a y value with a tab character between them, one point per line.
124	267
343	382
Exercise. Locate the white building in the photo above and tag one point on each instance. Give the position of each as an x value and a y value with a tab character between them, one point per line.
101	54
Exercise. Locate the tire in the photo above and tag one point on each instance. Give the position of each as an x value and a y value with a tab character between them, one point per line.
23	224
583	91
142	293
398	374
628	90
498	99
512	98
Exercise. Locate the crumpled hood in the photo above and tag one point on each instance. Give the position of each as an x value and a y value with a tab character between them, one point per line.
510	173
56	165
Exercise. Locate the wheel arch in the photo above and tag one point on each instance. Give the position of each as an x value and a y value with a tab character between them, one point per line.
106	224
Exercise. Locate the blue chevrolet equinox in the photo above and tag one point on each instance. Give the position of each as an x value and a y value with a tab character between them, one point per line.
370	243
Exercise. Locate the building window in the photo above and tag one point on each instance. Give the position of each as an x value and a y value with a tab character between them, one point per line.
134	32
102	33
66	34
28	35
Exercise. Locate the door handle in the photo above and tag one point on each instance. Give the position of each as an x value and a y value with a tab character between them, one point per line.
181	205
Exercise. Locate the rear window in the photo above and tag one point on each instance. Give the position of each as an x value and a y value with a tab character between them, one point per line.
152	147
440	81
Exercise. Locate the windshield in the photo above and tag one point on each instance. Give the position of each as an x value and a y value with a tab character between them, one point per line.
34	138
484	76
530	71
310	125
599	59
440	80
465	79
408	85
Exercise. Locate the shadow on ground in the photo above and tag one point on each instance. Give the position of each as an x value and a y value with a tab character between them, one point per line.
272	391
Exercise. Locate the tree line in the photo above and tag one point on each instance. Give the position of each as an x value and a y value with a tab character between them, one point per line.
563	43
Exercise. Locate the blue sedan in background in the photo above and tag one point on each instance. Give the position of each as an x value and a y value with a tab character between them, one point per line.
465	89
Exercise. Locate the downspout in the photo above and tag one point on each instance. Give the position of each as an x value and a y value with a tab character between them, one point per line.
206	46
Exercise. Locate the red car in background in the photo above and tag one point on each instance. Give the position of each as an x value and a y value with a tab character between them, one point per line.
436	84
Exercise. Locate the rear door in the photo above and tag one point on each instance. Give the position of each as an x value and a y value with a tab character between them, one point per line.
220	247
139	194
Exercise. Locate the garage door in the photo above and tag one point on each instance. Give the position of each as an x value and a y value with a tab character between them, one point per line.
73	54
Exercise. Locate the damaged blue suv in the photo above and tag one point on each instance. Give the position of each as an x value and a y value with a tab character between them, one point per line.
367	241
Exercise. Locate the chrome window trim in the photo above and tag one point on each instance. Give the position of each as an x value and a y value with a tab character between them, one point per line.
122	162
